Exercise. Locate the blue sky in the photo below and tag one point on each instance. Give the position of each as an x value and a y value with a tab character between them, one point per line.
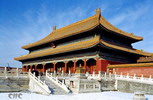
26	21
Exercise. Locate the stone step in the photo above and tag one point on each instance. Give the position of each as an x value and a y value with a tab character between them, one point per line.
56	90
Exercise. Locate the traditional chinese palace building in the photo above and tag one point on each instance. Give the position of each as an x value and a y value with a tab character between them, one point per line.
92	43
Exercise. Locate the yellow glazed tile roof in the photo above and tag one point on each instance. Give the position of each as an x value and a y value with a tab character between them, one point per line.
110	27
135	51
145	59
69	30
131	65
60	49
79	27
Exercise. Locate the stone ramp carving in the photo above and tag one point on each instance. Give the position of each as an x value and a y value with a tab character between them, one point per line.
55	89
38	86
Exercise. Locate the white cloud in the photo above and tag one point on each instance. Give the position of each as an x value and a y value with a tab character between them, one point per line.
35	26
130	14
136	19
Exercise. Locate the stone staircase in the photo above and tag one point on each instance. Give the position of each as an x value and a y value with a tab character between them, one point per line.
56	90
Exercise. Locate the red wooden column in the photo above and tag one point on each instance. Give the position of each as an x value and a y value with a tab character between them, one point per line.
51	68
74	67
36	67
23	69
44	69
30	68
26	68
85	65
54	66
98	65
65	67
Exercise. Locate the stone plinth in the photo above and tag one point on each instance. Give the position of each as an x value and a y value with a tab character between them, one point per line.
80	84
84	85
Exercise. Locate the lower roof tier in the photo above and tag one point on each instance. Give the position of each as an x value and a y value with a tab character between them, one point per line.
79	46
145	59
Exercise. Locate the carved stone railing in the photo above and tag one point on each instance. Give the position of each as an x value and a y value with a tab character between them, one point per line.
12	73
134	78
57	82
36	85
120	77
100	76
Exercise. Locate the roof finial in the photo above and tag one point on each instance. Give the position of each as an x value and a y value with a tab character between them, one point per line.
98	11
54	28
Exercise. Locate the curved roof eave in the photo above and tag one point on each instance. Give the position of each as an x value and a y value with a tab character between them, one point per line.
110	27
72	29
138	52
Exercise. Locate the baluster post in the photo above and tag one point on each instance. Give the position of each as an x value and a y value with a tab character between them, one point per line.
34	73
134	76
62	73
54	73
5	72
17	72
105	75
150	78
69	73
110	76
93	75
127	76
115	75
121	75
99	74
142	77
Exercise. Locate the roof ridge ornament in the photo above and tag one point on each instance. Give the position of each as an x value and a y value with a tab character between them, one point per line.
98	11
54	28
98	14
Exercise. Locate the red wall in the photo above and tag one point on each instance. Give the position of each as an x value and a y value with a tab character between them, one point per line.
102	64
146	71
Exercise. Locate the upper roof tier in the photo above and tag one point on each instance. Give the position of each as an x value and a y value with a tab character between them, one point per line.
79	27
